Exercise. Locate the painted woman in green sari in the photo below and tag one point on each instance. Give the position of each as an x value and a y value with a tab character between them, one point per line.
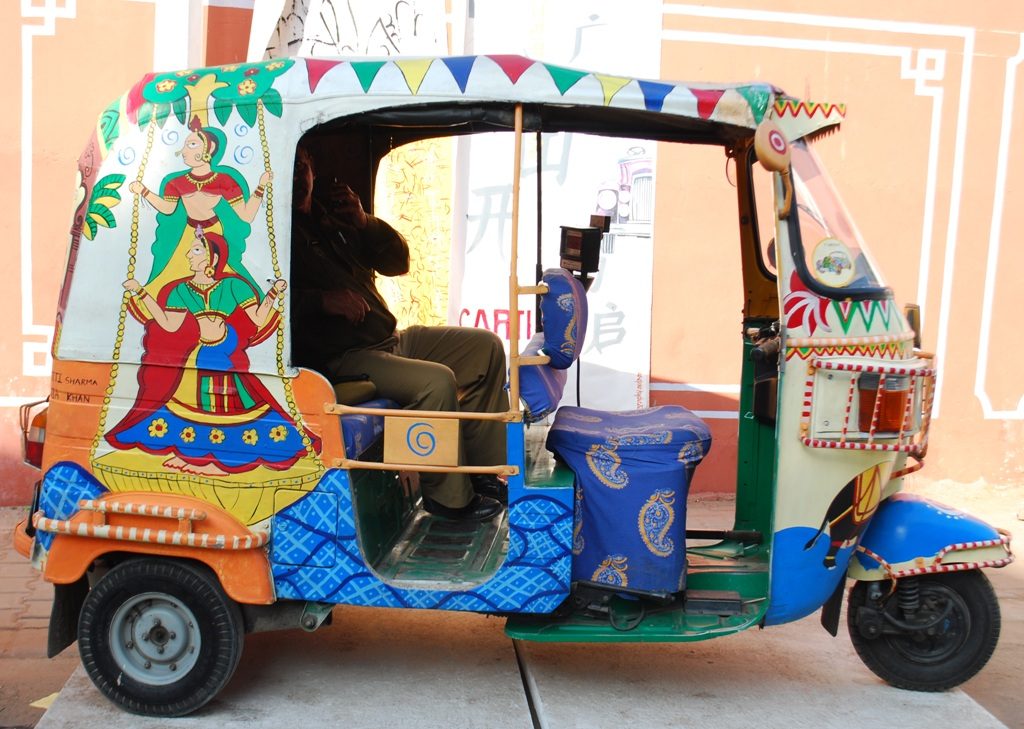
207	194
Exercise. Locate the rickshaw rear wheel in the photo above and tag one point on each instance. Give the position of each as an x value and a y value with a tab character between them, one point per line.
160	637
945	641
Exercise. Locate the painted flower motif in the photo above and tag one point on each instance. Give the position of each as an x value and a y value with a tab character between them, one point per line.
278	433
166	85
188	434
184	73
251	71
247	87
249	437
229	69
216	436
805	308
158	428
275	65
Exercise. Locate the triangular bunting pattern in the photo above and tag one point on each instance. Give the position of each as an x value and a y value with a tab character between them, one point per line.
460	66
611	85
654	94
513	66
414	71
757	96
316	68
366	71
564	78
707	100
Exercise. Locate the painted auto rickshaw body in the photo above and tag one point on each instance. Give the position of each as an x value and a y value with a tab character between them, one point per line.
254	477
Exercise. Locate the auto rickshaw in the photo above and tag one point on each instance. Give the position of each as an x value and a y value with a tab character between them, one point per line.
160	569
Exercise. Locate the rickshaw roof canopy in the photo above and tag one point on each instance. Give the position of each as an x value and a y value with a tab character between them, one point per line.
615	105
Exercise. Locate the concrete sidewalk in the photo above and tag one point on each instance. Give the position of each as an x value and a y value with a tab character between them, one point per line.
419	670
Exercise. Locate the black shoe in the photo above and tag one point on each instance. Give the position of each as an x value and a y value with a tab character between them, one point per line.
489	485
480	508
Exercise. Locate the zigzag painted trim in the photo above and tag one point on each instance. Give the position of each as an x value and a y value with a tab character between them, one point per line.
796	107
149	536
891	350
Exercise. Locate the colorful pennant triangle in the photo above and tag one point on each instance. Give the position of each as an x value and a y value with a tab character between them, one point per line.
460	66
366	72
654	94
513	66
707	100
316	68
611	85
414	71
564	78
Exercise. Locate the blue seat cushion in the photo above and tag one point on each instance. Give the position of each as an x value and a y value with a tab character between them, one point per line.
540	386
360	431
563	311
633	473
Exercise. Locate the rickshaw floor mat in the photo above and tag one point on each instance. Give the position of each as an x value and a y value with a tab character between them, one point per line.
435	550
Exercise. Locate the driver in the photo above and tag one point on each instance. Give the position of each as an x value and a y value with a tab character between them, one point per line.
343	327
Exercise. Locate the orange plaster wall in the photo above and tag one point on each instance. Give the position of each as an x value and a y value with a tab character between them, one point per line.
75	75
880	161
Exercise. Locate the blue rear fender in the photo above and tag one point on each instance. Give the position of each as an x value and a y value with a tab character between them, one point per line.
912	535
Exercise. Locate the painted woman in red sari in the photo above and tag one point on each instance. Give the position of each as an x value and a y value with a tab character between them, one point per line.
198	404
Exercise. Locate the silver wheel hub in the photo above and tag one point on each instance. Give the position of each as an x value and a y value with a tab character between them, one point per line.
154	638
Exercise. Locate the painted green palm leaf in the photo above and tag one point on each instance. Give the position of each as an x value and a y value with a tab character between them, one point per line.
105	195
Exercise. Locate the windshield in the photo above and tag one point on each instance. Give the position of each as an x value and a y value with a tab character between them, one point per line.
835	260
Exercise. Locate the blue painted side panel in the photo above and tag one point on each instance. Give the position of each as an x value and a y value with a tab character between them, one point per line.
909	526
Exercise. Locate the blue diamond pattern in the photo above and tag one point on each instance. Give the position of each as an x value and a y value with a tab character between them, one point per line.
534	577
304	532
64	485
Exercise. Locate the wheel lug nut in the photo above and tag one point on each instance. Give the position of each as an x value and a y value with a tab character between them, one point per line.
147	664
173	635
160	650
129	645
174	666
156	622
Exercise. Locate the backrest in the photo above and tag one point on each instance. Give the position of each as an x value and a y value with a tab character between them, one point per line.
564	315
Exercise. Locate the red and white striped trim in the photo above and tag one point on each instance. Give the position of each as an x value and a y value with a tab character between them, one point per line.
912	443
825	364
124	507
912	448
253	540
937	566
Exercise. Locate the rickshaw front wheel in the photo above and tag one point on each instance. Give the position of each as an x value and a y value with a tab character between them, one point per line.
931	634
160	637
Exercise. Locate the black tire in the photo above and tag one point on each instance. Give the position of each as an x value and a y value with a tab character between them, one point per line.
149	620
943	656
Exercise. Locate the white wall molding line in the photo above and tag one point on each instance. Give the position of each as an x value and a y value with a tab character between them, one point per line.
994	239
48	13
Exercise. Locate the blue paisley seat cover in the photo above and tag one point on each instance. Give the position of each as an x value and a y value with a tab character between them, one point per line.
360	431
633	473
564	315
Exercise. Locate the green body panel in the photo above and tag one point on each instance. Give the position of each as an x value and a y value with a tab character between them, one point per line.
756	458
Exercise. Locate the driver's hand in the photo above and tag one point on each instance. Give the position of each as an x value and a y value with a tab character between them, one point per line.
346	205
346	303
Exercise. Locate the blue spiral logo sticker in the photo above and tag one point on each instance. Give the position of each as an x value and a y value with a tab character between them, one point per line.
420	439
